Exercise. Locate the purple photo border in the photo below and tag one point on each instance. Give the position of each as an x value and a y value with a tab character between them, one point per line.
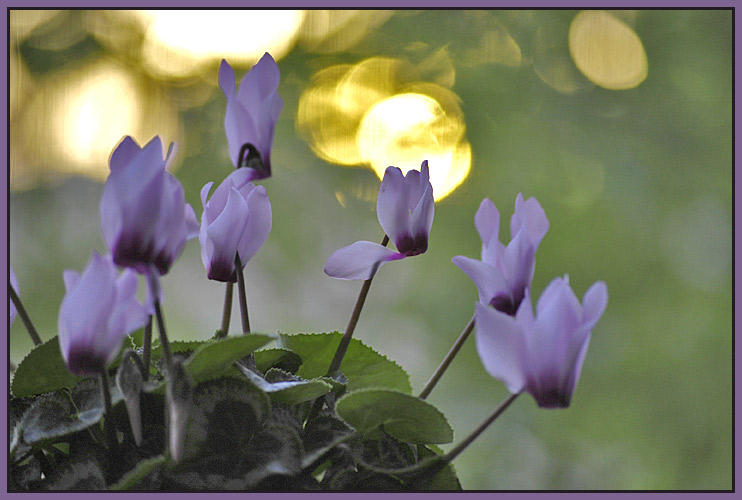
339	4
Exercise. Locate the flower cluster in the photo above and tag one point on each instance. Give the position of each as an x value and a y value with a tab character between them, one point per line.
541	355
146	223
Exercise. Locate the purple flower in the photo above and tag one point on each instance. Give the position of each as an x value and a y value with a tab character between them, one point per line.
405	209
252	112
504	273
144	217
11	308
541	355
97	312
237	218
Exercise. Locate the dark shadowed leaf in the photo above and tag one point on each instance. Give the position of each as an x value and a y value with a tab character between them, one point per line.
284	359
287	391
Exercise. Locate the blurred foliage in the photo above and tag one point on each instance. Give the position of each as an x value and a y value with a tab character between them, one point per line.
636	183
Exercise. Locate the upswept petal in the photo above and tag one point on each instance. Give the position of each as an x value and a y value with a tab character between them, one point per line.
594	303
123	153
500	344
391	204
127	315
359	261
258	83
422	218
240	128
227	80
225	233
519	263
259	222
85	308
530	216
489	281
487	222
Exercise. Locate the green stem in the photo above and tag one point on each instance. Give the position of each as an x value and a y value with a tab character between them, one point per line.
243	295
147	349
447	360
24	315
345	341
227	310
448	457
154	289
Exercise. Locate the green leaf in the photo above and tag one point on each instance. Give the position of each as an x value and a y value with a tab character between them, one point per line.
288	391
275	451
362	366
145	476
405	417
284	359
53	416
213	358
82	474
225	413
43	370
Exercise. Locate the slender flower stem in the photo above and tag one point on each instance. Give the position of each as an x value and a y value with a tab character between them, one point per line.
227	310
447	360
345	341
147	349
154	290
448	457
24	315
107	422
243	294
163	336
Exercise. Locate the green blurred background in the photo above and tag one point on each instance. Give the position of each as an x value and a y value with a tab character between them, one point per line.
619	123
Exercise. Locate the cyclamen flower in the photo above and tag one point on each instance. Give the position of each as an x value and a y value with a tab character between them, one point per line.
504	273
541	355
97	312
12	312
237	218
144	217
405	210
252	112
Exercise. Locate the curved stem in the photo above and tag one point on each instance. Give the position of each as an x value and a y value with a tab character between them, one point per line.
147	348
24	315
448	457
243	294
227	310
447	360
345	341
154	290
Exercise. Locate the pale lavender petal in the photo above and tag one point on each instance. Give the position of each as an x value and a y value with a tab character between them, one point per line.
123	153
71	279
227	80
500	344
225	233
422	217
240	128
594	303
529	215
85	308
259	222
359	261
487	222
489	281
391	205
519	262
259	82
